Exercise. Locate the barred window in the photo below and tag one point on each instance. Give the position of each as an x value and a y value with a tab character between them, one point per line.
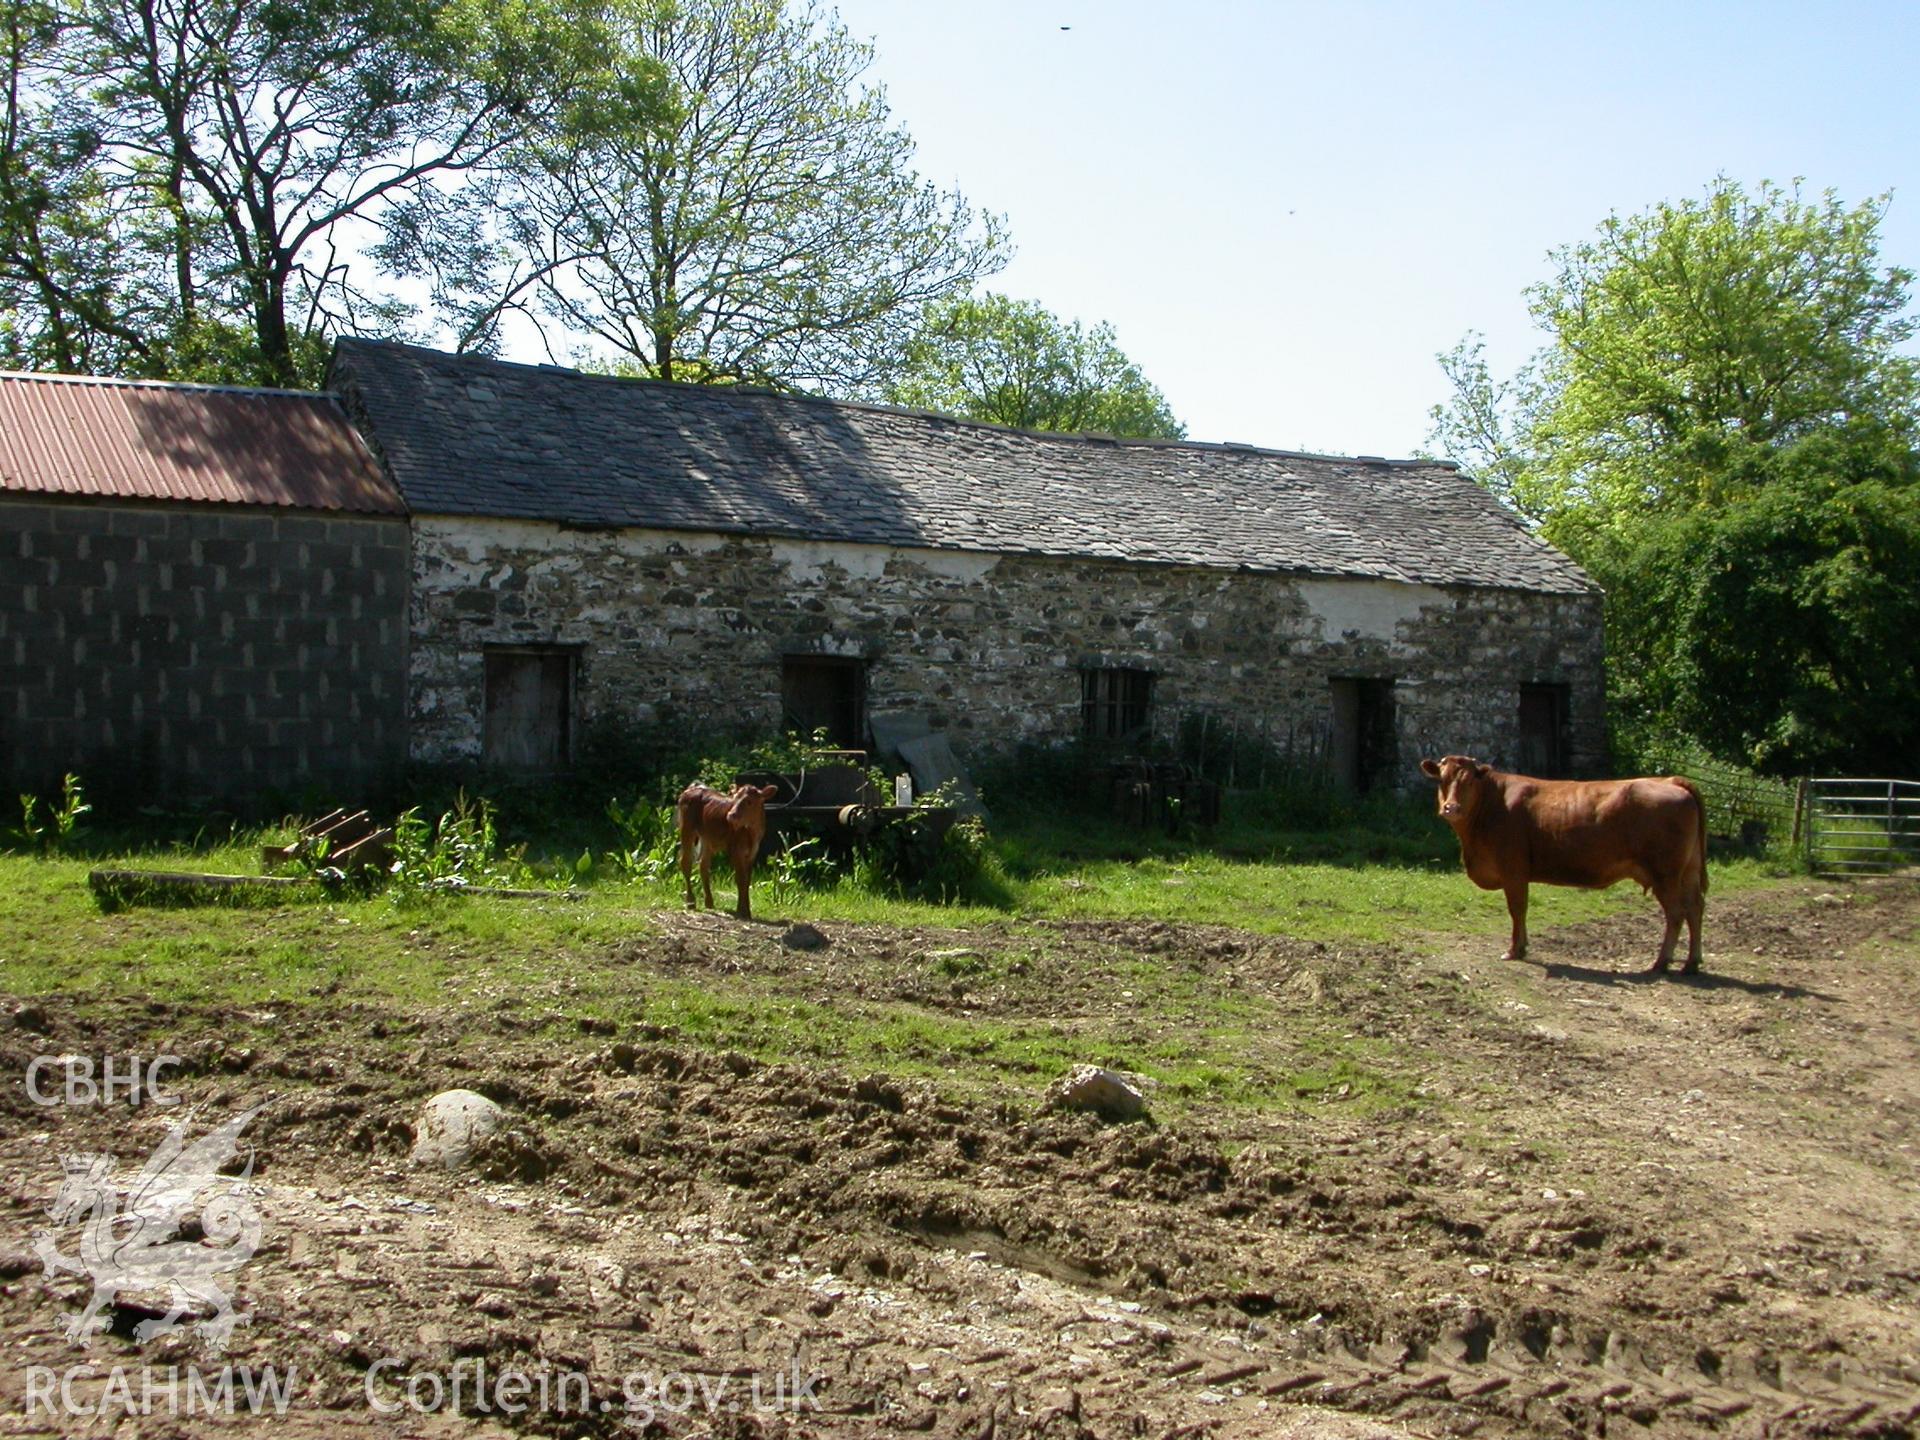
1114	702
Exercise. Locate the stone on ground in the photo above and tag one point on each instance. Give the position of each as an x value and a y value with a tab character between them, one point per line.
451	1125
1106	1093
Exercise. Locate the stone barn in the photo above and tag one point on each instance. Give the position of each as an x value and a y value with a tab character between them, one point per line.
591	549
203	594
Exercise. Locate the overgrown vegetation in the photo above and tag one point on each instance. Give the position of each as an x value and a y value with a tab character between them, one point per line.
1054	844
459	849
612	820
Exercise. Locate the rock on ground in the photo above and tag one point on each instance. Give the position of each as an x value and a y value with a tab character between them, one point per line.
451	1125
1106	1093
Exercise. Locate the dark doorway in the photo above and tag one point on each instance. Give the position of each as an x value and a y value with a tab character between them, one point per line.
529	708
825	692
1363	749
1543	731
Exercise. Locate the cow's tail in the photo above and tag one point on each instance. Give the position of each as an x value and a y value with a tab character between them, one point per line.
1700	819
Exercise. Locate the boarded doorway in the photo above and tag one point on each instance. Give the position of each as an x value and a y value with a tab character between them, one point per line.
1543	731
1362	747
529	708
825	692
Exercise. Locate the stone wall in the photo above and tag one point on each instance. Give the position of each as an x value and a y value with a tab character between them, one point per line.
177	652
692	628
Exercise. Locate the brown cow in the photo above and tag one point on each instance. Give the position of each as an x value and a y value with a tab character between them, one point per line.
719	824
1515	830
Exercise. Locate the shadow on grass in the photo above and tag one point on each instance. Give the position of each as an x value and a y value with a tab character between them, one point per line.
1699	981
1032	847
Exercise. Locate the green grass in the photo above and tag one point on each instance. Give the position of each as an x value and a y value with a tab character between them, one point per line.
54	937
1214	1063
552	962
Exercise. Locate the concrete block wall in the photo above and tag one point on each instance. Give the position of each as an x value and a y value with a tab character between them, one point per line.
181	653
692	628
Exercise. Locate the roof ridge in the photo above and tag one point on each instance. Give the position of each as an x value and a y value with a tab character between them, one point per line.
56	378
875	407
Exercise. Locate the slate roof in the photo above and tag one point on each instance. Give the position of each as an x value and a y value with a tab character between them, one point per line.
467	435
145	440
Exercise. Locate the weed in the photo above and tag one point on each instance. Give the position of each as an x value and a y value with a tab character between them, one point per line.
649	846
462	849
801	866
55	832
31	829
921	855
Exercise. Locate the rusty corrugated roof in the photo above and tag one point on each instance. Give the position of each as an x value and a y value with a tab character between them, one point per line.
148	440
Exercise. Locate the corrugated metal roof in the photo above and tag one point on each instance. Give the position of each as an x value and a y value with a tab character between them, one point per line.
146	440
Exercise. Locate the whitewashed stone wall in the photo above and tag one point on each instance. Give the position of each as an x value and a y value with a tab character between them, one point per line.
691	628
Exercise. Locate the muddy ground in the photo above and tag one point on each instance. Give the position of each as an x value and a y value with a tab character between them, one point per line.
1581	1201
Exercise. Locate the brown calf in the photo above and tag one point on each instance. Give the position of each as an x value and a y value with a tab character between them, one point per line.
1515	831
718	824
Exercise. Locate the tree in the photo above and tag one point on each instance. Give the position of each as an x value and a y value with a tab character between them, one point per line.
1781	623
1487	425
75	295
768	227
183	185
1722	429
1015	363
1691	338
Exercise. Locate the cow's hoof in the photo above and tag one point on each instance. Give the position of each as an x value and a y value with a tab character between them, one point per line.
1692	967
1658	966
1514	955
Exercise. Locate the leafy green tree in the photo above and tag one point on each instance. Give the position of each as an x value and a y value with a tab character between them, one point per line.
1722	429
1690	338
1015	363
768	227
1780	625
184	187
75	293
1487	426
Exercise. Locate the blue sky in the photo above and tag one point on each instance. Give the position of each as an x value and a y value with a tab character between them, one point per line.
1288	210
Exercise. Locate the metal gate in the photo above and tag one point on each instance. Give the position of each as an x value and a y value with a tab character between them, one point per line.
1857	826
